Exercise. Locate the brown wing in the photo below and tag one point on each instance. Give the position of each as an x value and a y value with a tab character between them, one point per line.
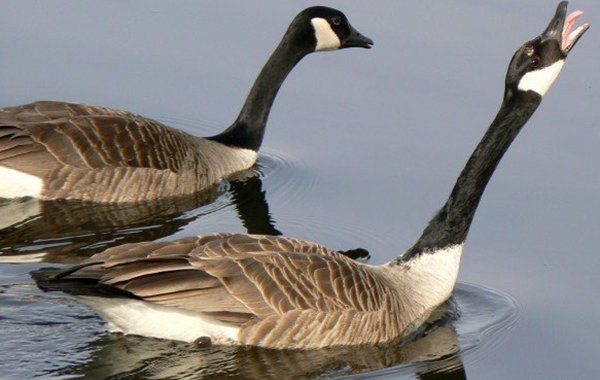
82	136
161	272
237	277
301	294
286	274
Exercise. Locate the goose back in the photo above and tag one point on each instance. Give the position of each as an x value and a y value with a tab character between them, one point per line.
104	155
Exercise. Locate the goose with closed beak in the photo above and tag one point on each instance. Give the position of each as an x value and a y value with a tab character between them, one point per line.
286	293
59	150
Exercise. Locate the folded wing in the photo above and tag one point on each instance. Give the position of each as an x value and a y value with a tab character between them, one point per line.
236	277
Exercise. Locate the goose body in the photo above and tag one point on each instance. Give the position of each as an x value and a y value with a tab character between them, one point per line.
60	150
268	291
280	292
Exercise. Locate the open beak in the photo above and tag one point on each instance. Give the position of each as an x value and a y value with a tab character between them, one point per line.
561	26
355	39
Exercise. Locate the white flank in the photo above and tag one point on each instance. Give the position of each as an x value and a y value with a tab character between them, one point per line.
326	37
135	317
15	184
428	279
541	80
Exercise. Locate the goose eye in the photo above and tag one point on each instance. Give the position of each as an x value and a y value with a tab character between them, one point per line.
336	20
529	50
535	62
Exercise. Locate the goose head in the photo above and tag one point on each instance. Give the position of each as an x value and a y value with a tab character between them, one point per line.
536	65
322	28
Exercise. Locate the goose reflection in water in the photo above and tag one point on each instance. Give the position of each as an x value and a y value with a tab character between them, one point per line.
433	354
70	231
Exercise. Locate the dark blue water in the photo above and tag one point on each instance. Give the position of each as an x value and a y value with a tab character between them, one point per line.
362	147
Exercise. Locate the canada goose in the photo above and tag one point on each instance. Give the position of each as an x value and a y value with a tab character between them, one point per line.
58	150
280	292
435	351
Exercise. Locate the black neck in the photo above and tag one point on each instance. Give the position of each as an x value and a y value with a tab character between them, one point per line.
248	130
450	225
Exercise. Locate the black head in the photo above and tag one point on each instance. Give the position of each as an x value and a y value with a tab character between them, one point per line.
324	28
536	65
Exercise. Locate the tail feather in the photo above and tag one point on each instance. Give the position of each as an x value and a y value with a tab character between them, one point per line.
57	279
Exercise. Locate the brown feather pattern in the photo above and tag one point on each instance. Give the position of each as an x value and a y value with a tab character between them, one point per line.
105	155
281	292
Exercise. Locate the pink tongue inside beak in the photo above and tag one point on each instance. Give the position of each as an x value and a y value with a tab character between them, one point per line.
569	22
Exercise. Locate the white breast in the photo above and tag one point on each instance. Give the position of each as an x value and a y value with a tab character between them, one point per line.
247	156
428	280
16	184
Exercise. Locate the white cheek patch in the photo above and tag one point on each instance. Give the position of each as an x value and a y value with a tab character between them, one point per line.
541	80
326	37
16	184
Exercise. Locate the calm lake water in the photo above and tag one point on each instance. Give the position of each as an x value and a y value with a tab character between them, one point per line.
361	148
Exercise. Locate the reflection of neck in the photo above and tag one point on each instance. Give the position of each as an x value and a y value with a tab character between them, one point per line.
249	128
252	207
453	367
450	225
